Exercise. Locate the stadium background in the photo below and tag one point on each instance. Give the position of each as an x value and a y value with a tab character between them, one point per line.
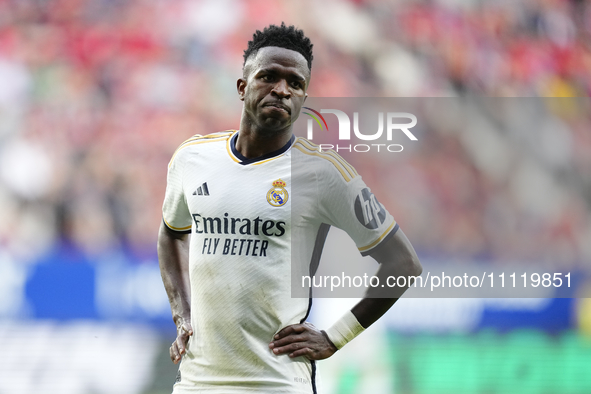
96	95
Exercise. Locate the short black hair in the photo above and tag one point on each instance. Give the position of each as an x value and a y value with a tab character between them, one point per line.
287	37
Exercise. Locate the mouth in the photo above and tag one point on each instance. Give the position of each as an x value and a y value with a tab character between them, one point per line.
279	106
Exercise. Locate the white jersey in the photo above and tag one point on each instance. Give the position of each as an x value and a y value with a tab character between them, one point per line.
248	220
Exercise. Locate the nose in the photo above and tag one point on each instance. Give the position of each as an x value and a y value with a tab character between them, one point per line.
281	89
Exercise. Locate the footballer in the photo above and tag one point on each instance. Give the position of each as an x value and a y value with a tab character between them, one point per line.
230	234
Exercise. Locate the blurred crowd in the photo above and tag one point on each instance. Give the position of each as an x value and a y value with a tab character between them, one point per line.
95	95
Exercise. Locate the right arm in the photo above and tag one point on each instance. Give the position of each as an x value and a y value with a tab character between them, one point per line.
173	256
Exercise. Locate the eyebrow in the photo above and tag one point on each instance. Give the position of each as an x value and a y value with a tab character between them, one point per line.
273	70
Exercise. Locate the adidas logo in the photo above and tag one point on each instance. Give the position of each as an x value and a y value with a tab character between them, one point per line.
202	190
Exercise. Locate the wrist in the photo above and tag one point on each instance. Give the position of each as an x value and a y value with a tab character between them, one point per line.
328	340
344	330
180	319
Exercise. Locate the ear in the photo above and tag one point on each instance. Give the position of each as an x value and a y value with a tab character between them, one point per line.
241	88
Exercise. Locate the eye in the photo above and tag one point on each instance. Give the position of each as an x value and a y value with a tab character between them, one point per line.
267	78
296	84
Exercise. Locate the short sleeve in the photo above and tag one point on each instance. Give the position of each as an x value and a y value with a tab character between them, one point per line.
175	212
347	203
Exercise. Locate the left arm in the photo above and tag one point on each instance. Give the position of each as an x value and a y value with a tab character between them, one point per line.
397	257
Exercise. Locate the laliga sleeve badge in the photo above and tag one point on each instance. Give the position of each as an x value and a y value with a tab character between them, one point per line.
277	195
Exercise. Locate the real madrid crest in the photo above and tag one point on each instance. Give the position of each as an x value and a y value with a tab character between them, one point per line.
277	195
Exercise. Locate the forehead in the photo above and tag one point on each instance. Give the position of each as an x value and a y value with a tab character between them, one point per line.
281	58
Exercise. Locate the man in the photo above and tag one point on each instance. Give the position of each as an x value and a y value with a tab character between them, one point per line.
238	328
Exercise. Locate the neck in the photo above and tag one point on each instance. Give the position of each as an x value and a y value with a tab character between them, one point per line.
253	142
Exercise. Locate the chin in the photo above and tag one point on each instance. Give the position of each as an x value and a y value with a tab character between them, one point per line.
273	126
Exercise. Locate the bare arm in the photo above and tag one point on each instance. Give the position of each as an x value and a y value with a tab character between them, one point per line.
173	255
396	257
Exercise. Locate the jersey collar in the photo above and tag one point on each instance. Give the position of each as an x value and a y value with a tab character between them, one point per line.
244	161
